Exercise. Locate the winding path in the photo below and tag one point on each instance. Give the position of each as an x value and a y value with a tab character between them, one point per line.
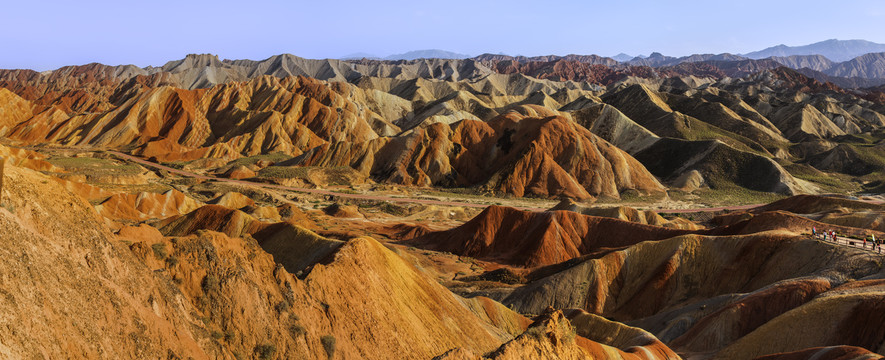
306	190
375	197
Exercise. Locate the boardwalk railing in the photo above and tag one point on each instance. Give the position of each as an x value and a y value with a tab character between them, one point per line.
865	243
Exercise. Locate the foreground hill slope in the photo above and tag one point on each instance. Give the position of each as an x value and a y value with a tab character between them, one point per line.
116	302
204	294
71	291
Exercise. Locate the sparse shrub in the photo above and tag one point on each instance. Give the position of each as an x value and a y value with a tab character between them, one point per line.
297	330
9	207
568	330
172	260
217	335
328	345
536	332
228	335
211	256
265	351
160	250
282	306
210	283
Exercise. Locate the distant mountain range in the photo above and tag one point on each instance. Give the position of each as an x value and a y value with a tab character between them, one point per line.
206	70
829	60
623	57
836	50
411	55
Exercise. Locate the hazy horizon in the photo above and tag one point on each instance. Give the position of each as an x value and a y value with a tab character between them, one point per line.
54	34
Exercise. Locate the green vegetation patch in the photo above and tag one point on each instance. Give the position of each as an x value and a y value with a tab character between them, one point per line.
337	175
251	160
94	166
286	172
828	182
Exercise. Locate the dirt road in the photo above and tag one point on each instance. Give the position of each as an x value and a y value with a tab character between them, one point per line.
307	190
375	197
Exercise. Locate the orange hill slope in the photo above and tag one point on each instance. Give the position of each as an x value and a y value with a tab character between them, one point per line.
552	336
170	297
208	295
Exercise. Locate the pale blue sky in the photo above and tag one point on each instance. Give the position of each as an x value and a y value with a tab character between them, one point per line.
48	34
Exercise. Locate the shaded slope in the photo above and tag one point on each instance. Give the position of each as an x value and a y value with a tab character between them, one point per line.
720	165
808	204
825	353
293	246
651	110
731	322
645	279
855	312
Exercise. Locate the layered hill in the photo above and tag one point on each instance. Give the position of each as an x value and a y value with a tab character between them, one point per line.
527	151
750	111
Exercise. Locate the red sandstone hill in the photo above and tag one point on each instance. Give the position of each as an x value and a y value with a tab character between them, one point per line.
526	151
264	115
531	239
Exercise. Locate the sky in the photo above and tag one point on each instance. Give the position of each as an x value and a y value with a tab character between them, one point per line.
44	35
